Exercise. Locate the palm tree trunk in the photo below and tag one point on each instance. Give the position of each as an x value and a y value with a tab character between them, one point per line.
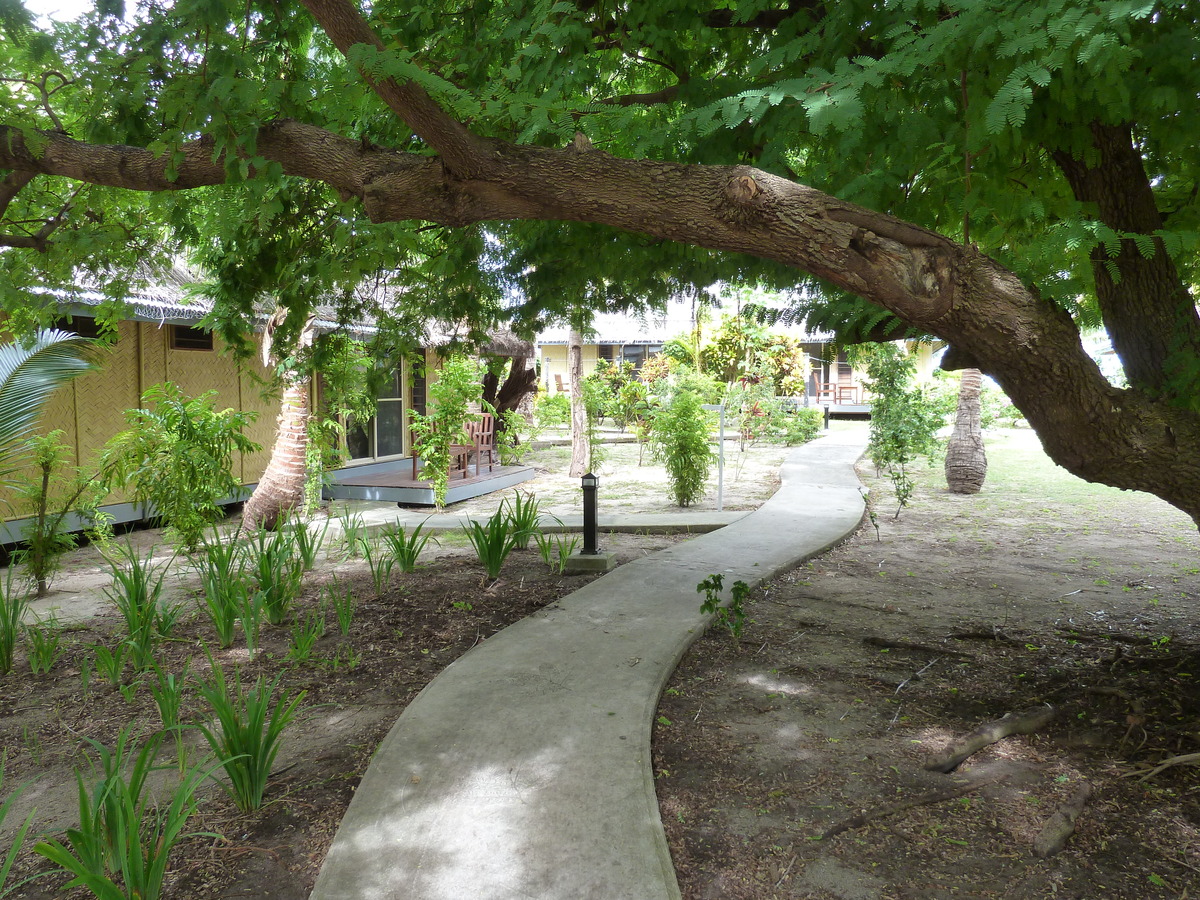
966	461
281	488
581	445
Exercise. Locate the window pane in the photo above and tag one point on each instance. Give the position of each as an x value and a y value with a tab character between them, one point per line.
389	428
391	389
358	442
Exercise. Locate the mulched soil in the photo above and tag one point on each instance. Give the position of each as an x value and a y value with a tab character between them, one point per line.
357	686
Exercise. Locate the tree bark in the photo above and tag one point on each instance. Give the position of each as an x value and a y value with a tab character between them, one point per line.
520	383
281	487
1135	439
966	460
581	445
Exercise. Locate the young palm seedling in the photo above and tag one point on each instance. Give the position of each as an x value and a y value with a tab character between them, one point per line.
248	731
405	546
492	542
120	849
523	511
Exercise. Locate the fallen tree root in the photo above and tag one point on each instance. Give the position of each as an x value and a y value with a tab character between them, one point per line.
1024	722
960	789
1187	759
1054	835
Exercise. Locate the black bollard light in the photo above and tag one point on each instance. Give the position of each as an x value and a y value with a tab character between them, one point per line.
826	416
590	525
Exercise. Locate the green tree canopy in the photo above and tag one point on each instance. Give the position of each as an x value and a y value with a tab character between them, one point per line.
994	173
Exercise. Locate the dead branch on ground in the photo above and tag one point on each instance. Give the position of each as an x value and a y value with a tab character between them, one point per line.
1024	722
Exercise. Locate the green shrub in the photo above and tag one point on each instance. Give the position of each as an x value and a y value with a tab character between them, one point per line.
551	411
904	417
178	457
681	443
458	386
46	539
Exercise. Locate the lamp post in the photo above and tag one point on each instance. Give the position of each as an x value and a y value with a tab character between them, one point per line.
590	524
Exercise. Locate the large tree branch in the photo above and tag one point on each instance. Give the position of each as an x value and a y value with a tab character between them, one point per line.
460	150
1149	313
1030	346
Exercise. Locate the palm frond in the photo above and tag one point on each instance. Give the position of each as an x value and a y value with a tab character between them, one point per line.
29	374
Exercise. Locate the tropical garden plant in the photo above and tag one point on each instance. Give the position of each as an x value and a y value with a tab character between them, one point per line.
50	499
681	443
458	387
177	455
121	847
248	732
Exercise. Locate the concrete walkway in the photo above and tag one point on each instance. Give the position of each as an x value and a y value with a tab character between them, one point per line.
524	769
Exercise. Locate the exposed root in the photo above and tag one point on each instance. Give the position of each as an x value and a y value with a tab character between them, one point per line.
1054	835
960	789
1024	722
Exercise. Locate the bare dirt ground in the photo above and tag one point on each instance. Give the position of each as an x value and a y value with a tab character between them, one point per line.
791	763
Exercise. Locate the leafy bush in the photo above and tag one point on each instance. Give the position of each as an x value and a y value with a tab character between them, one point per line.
451	396
523	511
904	418
551	411
178	457
681	443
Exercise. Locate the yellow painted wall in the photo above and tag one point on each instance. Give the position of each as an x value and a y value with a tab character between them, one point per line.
91	409
554	362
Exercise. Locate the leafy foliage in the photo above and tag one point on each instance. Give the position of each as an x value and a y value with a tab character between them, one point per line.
178	457
49	500
680	439
457	387
904	419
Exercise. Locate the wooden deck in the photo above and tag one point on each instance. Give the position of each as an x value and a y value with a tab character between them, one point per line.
393	482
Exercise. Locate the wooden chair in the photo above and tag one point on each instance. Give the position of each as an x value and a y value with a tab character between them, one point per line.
483	440
827	391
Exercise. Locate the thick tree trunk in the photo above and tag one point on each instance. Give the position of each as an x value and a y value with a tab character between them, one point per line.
520	383
581	445
966	461
281	488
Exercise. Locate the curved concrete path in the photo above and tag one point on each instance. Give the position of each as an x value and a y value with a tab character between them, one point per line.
524	770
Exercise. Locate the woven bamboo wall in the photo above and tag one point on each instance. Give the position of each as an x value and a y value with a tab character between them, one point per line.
91	409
